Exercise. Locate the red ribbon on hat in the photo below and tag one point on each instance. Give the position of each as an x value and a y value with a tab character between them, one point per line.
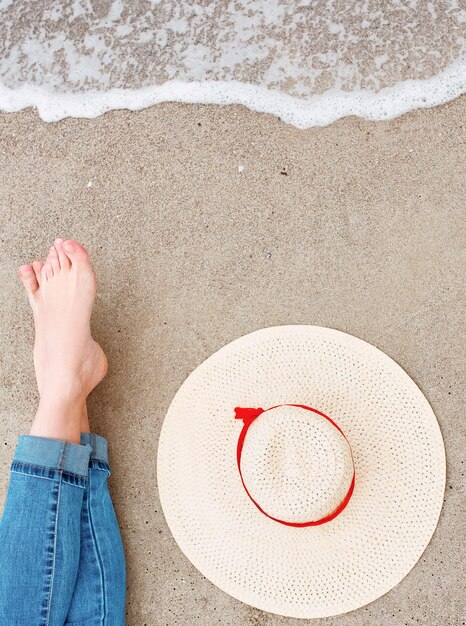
248	415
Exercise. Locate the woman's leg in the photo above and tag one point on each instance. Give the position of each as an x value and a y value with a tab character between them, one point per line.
41	526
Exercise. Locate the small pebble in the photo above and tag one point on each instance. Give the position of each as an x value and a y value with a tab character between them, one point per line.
240	168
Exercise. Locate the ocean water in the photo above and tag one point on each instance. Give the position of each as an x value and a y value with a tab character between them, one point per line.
309	62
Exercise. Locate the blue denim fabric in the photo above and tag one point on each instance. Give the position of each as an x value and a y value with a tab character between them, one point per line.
61	557
99	592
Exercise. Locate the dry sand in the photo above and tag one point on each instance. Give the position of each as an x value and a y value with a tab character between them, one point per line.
356	226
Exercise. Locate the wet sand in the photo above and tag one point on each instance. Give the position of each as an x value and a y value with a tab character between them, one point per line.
205	223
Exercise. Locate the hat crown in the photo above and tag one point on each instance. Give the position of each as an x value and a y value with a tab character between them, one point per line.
296	464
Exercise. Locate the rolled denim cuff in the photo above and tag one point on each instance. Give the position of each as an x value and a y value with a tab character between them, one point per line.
98	444
53	454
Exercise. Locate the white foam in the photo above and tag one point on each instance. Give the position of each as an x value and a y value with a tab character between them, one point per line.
309	63
317	111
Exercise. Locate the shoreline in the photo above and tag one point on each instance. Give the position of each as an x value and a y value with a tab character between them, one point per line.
320	110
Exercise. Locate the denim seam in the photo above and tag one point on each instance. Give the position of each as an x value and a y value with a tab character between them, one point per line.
45	478
49	605
33	475
99	558
64	450
50	468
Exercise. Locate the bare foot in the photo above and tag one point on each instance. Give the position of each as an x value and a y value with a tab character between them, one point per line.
67	360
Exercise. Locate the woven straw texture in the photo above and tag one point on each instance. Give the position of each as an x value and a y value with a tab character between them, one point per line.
398	455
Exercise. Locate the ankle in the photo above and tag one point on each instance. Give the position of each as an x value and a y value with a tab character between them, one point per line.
58	417
63	391
63	403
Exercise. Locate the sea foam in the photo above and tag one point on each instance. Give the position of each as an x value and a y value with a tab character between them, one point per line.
307	62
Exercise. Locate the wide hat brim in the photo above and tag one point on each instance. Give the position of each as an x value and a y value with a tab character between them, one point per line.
399	459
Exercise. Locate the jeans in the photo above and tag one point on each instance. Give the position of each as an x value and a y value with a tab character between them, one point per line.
61	556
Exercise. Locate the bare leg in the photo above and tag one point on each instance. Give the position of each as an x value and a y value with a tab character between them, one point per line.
42	525
61	550
68	362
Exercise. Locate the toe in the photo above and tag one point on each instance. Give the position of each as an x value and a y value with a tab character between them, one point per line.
64	260
52	258
47	271
28	278
75	252
37	267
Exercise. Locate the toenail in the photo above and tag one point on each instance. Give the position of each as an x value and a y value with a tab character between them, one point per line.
25	271
69	247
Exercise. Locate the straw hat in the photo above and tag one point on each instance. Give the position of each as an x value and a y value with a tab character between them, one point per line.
301	470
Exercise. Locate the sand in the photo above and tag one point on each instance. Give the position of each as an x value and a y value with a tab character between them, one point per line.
205	223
